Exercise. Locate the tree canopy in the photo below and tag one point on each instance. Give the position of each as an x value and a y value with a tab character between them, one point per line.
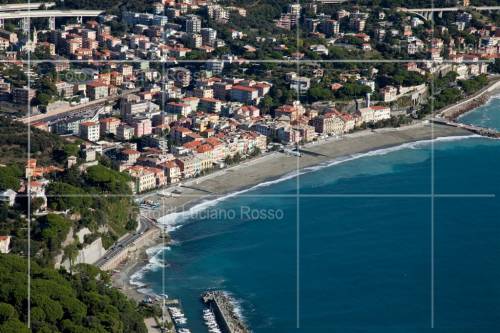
61	302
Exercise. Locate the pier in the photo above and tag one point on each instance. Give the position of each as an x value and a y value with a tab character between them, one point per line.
228	320
484	131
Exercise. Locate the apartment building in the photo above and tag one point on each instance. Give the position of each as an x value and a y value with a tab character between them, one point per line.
244	94
328	123
374	114
190	166
172	171
143	179
90	131
124	132
109	125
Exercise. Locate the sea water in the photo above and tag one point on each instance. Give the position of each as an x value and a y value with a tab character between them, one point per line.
487	115
397	240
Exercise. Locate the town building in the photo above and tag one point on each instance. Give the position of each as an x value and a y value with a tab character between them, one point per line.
90	131
5	244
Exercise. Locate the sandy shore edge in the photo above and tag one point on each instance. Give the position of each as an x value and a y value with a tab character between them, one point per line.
269	168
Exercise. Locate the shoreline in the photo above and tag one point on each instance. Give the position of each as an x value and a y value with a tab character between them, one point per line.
478	99
264	171
122	279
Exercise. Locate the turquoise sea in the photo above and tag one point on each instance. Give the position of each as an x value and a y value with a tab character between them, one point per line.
487	115
365	249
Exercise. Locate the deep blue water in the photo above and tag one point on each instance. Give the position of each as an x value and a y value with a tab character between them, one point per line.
365	230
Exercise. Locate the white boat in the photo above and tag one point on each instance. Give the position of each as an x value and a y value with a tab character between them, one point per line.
211	321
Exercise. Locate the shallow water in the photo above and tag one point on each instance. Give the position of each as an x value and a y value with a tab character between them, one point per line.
355	252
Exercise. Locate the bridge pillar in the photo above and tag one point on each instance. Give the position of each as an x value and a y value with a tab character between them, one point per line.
440	14
52	23
25	24
79	19
1	23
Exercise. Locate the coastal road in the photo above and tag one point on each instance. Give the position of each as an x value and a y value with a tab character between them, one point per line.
145	224
71	110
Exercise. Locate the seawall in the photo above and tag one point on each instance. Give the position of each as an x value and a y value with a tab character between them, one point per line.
472	102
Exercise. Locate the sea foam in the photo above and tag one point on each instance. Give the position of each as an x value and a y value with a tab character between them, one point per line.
174	221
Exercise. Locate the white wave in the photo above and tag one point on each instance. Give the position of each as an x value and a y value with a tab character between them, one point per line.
152	251
491	100
173	221
155	262
136	278
237	305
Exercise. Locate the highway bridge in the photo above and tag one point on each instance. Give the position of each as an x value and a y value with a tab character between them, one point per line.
25	6
330	2
427	13
26	15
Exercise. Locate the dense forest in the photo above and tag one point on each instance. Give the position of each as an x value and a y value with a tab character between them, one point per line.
60	302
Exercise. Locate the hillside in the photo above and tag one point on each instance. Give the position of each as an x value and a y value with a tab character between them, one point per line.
97	199
61	302
46	147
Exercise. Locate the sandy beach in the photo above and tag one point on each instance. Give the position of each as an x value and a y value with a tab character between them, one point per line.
121	278
271	167
275	165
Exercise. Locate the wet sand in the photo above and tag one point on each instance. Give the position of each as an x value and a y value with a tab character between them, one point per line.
275	165
270	167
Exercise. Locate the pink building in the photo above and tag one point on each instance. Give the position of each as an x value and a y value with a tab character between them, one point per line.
142	126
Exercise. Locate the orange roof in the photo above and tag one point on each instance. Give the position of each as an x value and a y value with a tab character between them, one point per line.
154	170
191	145
194	135
213	141
182	105
204	148
170	164
109	120
130	152
244	88
88	123
182	130
96	84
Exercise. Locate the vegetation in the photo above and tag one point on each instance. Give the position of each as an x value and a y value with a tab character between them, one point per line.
9	177
448	92
61	302
14	139
100	197
51	230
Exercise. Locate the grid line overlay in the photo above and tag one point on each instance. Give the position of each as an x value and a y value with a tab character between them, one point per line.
297	203
29	179
433	189
298	194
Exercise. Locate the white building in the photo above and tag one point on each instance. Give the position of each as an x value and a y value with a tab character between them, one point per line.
8	197
375	114
90	131
4	244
